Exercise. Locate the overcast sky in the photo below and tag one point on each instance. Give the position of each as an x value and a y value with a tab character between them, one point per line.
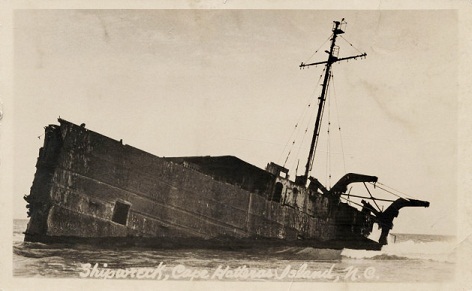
227	82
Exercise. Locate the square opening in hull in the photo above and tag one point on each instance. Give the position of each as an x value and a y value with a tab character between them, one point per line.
120	212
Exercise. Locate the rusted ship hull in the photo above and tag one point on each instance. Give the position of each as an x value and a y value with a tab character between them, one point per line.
92	189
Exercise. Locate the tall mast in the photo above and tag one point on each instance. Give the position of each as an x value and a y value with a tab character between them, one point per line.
332	58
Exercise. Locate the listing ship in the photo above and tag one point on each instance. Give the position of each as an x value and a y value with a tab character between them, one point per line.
89	188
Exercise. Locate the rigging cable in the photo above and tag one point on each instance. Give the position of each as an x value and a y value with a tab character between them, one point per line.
310	121
339	125
300	118
358	196
328	138
348	200
372	197
319	48
321	118
388	191
306	129
350	44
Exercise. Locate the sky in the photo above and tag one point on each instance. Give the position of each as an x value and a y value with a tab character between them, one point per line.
227	82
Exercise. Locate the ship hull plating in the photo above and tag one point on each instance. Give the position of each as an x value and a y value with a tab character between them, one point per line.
89	188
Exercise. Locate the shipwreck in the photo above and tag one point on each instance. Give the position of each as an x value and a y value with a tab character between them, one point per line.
89	188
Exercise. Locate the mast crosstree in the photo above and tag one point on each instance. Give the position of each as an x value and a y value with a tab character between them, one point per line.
332	58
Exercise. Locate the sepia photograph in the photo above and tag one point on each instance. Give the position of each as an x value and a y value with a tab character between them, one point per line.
264	147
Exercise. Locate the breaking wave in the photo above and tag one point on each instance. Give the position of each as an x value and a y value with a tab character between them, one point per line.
439	251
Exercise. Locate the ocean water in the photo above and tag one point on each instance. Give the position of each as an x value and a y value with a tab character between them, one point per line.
413	258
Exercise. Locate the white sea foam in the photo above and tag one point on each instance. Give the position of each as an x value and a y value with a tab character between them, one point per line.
439	251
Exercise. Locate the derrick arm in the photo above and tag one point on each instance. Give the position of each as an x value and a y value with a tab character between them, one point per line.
315	185
341	185
386	217
392	210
